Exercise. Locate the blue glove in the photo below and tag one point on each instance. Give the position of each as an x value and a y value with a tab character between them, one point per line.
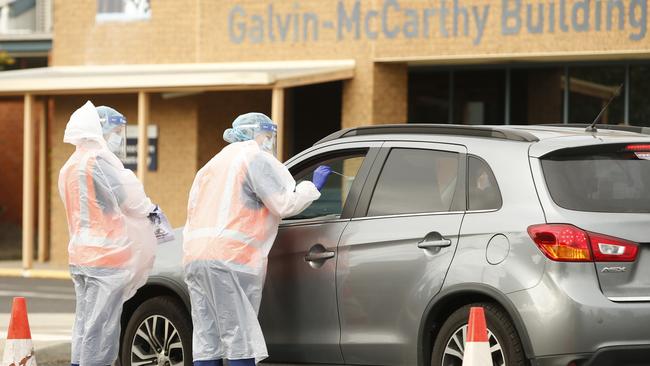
320	176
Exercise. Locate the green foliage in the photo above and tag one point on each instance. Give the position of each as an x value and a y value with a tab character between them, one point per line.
5	59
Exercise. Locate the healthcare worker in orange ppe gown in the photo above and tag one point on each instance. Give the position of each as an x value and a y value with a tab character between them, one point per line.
235	206
112	242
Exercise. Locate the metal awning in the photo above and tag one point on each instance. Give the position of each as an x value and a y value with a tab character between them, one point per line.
173	77
26	48
26	45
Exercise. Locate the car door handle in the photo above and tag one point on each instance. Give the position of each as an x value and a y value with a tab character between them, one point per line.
434	240
443	243
312	257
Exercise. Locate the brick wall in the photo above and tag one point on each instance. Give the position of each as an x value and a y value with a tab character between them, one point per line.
11	162
376	95
11	178
218	110
238	30
168	37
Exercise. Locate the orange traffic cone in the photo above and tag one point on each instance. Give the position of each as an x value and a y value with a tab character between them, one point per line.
477	347
19	350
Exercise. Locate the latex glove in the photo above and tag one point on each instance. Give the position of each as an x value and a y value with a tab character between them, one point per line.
320	176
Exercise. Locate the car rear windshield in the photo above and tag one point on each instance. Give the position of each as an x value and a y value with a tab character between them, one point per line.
614	178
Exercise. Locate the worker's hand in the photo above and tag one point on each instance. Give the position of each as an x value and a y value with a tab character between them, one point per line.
320	176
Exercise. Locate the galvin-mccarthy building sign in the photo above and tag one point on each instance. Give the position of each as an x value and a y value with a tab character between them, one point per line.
393	19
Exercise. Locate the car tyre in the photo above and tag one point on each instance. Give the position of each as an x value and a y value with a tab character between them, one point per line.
159	331
504	341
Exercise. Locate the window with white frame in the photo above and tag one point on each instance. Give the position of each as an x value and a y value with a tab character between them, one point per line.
21	17
123	10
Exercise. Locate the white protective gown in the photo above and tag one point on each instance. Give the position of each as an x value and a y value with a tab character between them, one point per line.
112	243
236	203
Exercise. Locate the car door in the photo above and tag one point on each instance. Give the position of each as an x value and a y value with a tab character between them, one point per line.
299	313
394	254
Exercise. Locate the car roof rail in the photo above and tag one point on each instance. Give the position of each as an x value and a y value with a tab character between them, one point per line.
626	128
434	129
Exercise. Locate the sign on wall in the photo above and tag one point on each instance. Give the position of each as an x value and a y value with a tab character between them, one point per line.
131	161
424	20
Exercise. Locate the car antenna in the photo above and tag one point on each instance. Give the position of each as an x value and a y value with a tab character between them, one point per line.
592	126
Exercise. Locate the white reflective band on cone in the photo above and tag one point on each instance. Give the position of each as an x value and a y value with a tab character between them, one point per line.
19	352
477	354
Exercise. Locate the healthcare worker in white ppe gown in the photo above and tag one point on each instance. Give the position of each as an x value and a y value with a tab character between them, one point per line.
112	242
235	206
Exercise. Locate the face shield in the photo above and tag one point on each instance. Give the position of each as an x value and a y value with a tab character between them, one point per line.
116	141
267	138
114	130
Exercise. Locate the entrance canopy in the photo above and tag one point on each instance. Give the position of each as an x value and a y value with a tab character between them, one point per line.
172	77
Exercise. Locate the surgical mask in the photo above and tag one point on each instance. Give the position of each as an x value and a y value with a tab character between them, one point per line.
268	145
115	145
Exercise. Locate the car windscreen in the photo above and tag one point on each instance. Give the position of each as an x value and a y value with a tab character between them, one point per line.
611	178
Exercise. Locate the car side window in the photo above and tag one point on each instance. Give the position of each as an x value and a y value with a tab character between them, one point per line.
483	191
415	181
335	192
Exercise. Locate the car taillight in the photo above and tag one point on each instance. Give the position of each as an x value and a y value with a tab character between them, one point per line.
642	151
638	147
564	243
567	243
610	249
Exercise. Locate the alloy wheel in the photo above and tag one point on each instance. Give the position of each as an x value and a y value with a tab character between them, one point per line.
455	349
157	342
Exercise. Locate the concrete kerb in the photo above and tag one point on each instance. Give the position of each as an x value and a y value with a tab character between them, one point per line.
35	273
47	270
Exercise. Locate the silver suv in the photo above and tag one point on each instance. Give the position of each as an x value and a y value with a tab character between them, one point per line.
546	227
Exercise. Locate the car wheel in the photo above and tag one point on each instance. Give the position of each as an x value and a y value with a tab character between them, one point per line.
505	346
158	333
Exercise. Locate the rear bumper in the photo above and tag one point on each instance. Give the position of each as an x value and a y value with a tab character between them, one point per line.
567	314
624	355
608	356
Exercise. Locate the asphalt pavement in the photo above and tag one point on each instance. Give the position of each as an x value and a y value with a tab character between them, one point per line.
50	308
